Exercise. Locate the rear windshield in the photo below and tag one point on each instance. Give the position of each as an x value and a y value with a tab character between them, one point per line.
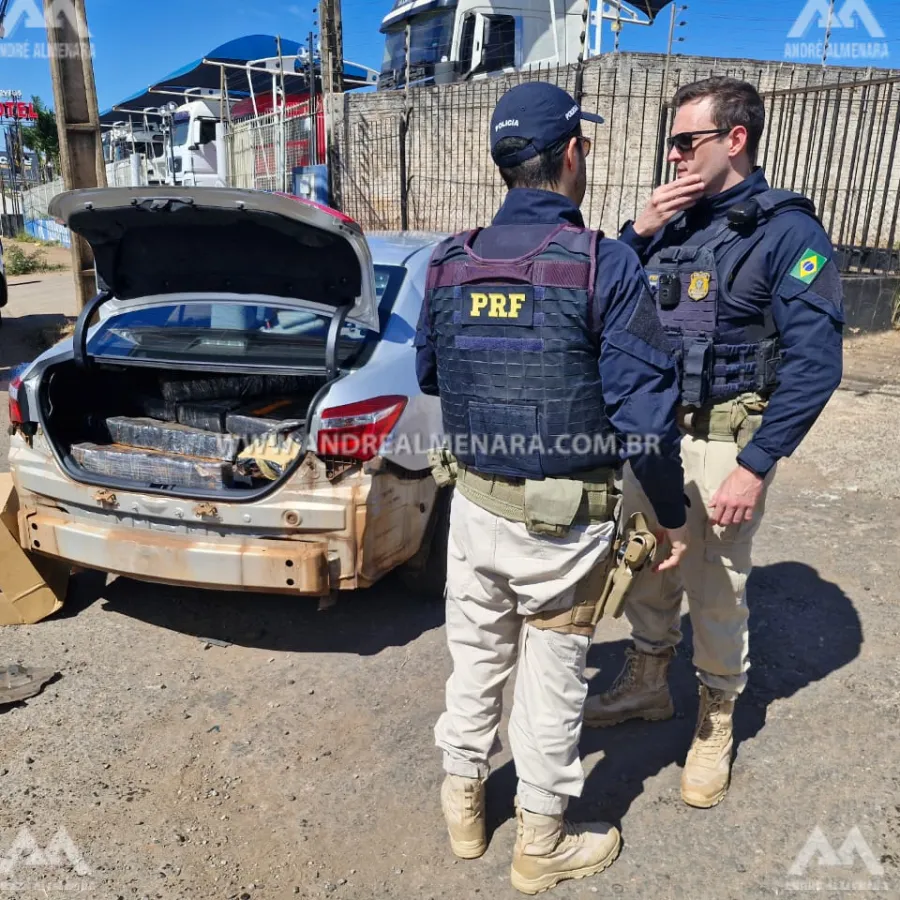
248	333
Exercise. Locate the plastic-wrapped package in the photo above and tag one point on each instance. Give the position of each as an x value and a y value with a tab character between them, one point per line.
246	387
279	385
266	416
181	440
181	390
157	408
148	467
209	415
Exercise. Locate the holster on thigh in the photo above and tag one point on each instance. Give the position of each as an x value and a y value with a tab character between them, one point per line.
603	591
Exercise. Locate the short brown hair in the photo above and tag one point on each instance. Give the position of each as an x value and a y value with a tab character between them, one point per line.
734	103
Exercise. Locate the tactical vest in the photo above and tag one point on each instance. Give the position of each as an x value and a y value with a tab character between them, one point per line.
690	280
517	361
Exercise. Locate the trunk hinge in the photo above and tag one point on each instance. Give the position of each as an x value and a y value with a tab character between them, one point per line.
79	339
331	347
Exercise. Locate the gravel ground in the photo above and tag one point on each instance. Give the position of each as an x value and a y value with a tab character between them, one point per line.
298	759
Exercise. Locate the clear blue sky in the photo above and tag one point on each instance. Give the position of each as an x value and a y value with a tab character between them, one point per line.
135	44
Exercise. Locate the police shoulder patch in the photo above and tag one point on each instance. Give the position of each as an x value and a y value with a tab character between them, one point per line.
809	266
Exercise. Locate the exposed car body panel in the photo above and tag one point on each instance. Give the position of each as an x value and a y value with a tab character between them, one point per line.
338	530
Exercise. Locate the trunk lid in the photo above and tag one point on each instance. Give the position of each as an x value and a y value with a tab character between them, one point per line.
158	241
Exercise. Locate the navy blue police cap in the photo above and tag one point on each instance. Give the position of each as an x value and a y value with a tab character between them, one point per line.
538	112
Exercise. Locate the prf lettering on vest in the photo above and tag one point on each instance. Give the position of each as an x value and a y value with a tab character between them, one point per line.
496	305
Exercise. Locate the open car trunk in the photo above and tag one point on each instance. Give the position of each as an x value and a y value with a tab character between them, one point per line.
188	433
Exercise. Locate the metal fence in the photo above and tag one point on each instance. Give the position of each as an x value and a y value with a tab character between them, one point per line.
263	152
38	222
843	158
421	160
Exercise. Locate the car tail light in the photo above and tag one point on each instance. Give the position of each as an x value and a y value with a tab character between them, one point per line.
15	411
358	430
328	210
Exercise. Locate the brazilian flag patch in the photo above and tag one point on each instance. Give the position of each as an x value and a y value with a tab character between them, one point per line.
809	266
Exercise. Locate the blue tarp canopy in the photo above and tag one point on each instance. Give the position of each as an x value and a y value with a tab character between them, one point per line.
206	73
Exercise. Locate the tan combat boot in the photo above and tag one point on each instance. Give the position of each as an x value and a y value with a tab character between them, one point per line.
550	850
707	770
641	691
462	800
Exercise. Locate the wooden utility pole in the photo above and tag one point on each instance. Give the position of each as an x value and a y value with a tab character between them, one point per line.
331	39
77	119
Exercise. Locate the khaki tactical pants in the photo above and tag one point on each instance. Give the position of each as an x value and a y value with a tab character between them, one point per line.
497	572
713	573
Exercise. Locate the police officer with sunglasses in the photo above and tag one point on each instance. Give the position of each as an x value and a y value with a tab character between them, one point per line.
748	292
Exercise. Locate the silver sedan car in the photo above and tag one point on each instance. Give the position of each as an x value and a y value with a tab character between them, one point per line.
238	407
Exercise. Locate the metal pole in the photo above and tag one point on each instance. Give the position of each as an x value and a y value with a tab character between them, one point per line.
78	120
828	33
282	116
663	114
3	198
313	136
599	28
21	148
669	48
584	49
13	166
408	49
585	33
404	131
555	32
331	38
137	176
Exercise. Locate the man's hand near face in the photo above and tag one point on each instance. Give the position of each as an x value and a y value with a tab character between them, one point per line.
667	201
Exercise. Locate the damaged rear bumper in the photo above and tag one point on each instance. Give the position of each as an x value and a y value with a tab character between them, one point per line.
250	564
314	536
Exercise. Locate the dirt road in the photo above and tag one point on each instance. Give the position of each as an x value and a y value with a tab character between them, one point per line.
298	760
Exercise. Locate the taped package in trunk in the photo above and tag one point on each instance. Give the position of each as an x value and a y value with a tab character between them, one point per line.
267	416
148	467
216	388
181	440
267	457
245	387
207	416
158	408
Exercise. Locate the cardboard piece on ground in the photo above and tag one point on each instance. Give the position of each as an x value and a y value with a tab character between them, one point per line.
31	587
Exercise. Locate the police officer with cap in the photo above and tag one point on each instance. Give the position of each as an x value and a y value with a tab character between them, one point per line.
750	296
541	339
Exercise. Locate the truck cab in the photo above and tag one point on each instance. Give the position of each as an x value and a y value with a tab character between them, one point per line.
192	146
125	140
456	40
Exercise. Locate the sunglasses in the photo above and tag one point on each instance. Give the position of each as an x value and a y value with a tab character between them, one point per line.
684	141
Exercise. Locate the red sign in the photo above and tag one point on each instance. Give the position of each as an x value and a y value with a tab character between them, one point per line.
18	111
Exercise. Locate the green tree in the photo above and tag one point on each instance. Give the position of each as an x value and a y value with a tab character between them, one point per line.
43	136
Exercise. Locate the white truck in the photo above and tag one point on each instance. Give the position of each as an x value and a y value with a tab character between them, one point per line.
452	40
129	150
193	133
